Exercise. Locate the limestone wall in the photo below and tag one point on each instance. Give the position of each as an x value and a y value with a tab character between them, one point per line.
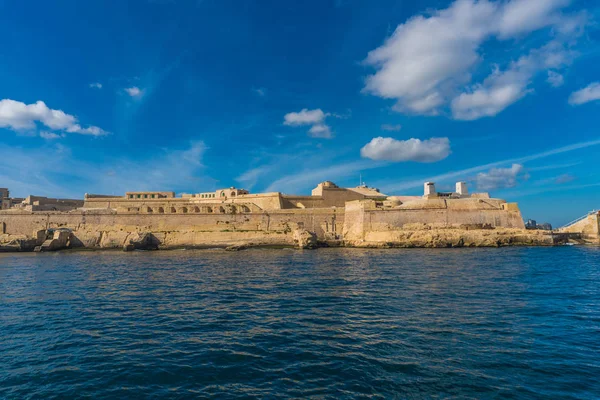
364	217
110	227
589	227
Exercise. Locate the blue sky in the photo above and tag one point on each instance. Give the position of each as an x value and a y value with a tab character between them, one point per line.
191	96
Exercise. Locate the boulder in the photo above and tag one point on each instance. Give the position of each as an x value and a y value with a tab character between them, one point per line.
56	239
141	241
305	239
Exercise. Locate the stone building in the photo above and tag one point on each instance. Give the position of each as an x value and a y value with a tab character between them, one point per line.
6	202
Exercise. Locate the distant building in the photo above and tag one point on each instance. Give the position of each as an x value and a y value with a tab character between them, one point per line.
6	201
532	224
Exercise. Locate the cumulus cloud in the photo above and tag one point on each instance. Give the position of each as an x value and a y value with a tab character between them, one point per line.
96	85
391	128
503	88
429	60
134	91
589	93
316	118
390	149
500	178
18	116
304	117
320	131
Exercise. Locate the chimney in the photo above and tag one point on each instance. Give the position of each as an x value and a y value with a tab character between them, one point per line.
461	188
429	189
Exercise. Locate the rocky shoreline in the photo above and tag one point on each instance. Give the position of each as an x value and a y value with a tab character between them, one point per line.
63	238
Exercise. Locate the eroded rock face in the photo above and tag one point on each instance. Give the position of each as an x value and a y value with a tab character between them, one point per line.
56	239
305	239
141	241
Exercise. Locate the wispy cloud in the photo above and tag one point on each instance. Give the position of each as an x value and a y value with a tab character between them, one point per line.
463	174
96	85
66	175
589	93
500	178
391	128
262	92
305	178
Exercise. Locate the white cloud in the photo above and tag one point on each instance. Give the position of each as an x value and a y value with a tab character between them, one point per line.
20	116
389	149
96	85
304	117
316	118
391	128
50	135
555	79
503	88
134	91
589	93
499	178
320	131
429	60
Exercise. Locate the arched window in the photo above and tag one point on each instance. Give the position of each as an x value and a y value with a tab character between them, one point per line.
232	194
196	209
184	210
149	209
222	194
173	210
244	209
221	210
161	210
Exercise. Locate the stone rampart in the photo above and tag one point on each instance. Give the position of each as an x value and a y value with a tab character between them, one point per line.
589	227
107	228
363	217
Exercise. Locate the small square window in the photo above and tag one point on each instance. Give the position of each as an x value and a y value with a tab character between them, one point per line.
139	195
152	196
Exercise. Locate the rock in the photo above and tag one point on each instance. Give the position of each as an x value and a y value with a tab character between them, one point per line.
59	239
141	241
236	247
305	239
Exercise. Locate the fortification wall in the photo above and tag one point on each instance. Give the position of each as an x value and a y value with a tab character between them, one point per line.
110	229
589	227
265	201
363	217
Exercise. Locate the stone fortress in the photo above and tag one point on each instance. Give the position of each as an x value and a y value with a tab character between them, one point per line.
331	215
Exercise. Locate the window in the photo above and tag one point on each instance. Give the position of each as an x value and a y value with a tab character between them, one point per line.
145	196
131	196
139	196
222	194
153	196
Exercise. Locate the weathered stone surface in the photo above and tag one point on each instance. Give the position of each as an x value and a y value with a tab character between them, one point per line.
305	239
57	239
141	241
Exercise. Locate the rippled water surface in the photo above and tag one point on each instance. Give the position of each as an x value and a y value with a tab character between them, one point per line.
332	323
